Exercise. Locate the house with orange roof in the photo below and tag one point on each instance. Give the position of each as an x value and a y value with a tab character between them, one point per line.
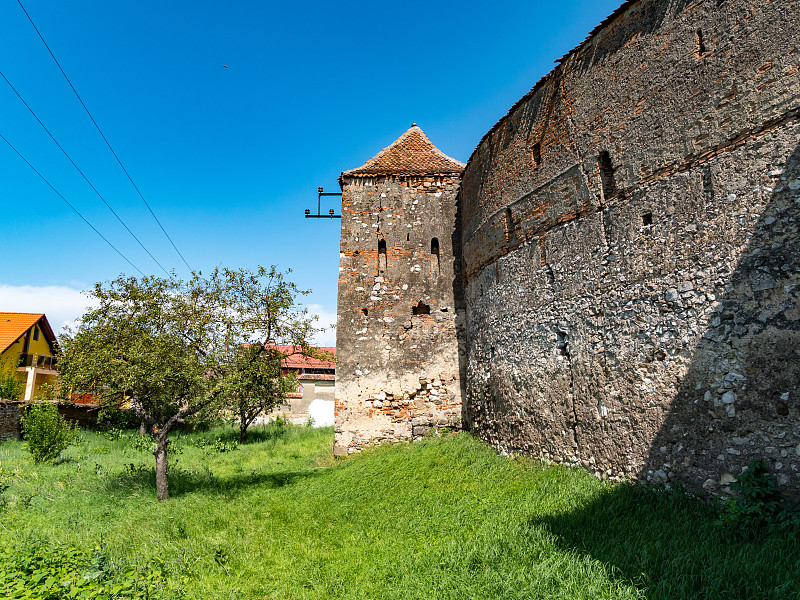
28	342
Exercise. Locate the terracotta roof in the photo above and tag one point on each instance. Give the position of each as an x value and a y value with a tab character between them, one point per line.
295	360
13	325
410	154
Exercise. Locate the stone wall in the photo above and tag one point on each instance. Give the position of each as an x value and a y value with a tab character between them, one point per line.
10	411
397	359
631	253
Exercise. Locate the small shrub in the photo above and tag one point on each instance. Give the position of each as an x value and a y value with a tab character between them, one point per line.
11	387
757	507
111	417
143	443
46	431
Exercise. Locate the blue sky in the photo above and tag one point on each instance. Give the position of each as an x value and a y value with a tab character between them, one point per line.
229	116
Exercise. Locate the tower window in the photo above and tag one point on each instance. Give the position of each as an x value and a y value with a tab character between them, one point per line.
436	266
701	47
381	256
421	309
607	175
536	154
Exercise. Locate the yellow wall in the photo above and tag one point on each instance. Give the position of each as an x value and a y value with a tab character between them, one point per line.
13	351
39	346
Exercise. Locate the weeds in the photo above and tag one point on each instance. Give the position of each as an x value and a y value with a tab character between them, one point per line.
757	509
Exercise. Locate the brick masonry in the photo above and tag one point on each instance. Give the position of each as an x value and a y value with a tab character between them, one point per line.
631	255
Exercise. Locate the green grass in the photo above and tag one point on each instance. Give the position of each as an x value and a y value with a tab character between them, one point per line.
441	518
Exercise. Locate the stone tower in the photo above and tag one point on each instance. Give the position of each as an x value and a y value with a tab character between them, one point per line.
397	373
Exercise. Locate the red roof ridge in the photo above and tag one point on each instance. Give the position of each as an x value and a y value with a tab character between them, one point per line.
410	154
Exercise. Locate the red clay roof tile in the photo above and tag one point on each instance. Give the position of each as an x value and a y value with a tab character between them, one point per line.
410	154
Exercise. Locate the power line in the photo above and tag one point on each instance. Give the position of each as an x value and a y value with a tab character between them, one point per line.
10	145
102	135
77	168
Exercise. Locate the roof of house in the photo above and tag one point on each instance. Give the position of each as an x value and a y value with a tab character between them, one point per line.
13	325
295	359
410	154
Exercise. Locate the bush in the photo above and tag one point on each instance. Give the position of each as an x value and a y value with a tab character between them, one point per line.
757	508
46	431
11	388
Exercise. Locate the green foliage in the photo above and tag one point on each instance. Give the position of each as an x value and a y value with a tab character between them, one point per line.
757	509
183	349
217	444
111	417
46	431
37	571
11	387
442	518
5	483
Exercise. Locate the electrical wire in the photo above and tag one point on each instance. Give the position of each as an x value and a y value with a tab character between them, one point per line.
77	168
85	220
102	134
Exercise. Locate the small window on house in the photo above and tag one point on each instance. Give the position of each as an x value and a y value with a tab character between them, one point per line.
647	219
408	237
364	311
607	175
536	154
35	332
421	309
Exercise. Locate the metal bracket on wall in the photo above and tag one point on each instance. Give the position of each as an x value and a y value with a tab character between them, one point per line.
319	214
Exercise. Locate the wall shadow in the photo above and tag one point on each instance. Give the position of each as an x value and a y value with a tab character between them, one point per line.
183	481
669	546
740	397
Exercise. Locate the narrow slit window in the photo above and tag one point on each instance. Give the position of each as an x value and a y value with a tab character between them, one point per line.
536	154
701	46
381	256
511	233
436	266
607	175
408	237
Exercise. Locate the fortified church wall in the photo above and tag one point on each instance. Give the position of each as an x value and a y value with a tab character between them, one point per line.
631	250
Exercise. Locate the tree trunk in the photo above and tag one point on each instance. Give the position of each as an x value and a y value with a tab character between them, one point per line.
162	490
142	428
242	432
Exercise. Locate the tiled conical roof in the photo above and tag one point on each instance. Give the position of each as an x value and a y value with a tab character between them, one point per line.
410	154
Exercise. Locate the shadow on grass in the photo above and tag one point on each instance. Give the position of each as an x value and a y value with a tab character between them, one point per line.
670	545
189	481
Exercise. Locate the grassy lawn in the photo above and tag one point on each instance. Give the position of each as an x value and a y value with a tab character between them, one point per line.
442	518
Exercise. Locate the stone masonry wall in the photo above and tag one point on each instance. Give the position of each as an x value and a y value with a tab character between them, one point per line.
10	412
631	251
397	372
